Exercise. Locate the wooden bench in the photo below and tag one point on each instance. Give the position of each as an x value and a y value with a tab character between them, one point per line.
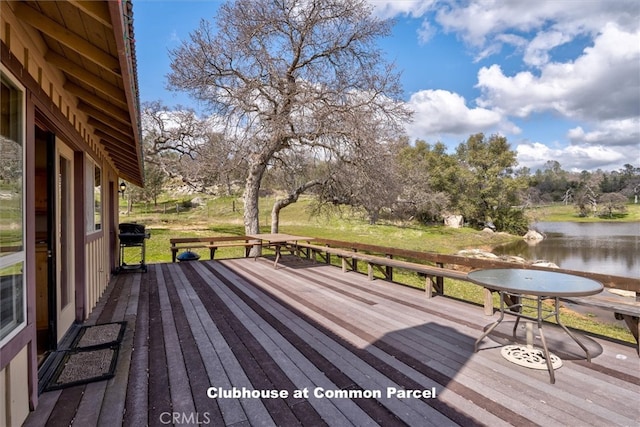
211	243
627	309
385	265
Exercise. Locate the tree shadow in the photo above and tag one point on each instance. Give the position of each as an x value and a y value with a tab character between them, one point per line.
426	358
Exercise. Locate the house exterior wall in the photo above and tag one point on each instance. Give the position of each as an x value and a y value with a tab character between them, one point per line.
15	407
48	105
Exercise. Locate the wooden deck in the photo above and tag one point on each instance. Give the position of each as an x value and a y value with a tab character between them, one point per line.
241	325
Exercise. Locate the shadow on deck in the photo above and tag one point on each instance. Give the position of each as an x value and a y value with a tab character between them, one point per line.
222	342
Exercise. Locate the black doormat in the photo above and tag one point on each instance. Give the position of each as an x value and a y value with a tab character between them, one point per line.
82	366
91	356
96	336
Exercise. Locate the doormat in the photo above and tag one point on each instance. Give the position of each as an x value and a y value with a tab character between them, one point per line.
95	336
82	366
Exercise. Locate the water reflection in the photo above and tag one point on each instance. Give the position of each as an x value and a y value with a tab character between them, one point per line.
608	248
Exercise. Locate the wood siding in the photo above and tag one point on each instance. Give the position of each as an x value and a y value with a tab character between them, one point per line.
97	271
51	48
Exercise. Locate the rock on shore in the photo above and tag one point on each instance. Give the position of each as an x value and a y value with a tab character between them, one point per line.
480	254
533	235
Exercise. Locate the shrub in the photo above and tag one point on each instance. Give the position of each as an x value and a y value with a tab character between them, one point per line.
510	220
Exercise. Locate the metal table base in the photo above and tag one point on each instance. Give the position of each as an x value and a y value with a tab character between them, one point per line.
516	310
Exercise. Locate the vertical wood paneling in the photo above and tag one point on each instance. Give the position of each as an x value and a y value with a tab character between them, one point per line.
97	276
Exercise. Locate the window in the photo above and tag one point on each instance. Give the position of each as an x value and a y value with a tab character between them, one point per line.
12	298
13	302
94	197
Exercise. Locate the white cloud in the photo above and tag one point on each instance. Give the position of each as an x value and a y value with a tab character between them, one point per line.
599	88
425	32
602	84
390	8
573	157
495	47
612	133
481	21
438	112
174	38
537	51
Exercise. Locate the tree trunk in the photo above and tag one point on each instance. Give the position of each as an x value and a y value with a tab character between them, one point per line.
373	215
291	198
275	215
251	198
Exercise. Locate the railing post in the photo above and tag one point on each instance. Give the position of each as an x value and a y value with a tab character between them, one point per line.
428	286
440	280
488	302
354	261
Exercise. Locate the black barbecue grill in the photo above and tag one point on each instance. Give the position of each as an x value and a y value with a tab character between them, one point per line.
132	236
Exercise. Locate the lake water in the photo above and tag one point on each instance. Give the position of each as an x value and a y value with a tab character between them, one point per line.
608	248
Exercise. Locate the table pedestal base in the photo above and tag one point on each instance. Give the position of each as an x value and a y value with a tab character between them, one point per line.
529	357
516	310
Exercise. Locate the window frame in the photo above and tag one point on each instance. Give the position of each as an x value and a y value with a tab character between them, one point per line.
93	212
17	260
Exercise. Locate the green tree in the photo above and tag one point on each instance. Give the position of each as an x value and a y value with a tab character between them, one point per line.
426	178
487	188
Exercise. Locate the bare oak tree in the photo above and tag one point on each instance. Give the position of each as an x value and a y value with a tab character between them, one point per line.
189	148
291	73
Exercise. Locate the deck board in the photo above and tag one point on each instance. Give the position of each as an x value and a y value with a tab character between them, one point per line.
242	323
252	357
324	352
302	372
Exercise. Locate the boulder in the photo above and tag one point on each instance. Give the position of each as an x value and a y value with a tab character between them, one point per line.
197	201
454	221
533	235
513	258
477	253
543	263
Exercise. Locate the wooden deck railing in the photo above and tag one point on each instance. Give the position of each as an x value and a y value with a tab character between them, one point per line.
608	280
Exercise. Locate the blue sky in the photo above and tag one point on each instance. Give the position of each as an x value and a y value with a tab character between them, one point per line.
561	79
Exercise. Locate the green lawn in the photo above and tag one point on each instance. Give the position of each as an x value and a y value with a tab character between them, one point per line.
560	212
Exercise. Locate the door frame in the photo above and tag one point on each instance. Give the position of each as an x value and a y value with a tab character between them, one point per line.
65	223
51	241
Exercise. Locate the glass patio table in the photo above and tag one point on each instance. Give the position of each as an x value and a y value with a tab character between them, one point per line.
539	285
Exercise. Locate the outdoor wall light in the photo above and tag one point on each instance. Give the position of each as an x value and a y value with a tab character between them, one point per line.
123	187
